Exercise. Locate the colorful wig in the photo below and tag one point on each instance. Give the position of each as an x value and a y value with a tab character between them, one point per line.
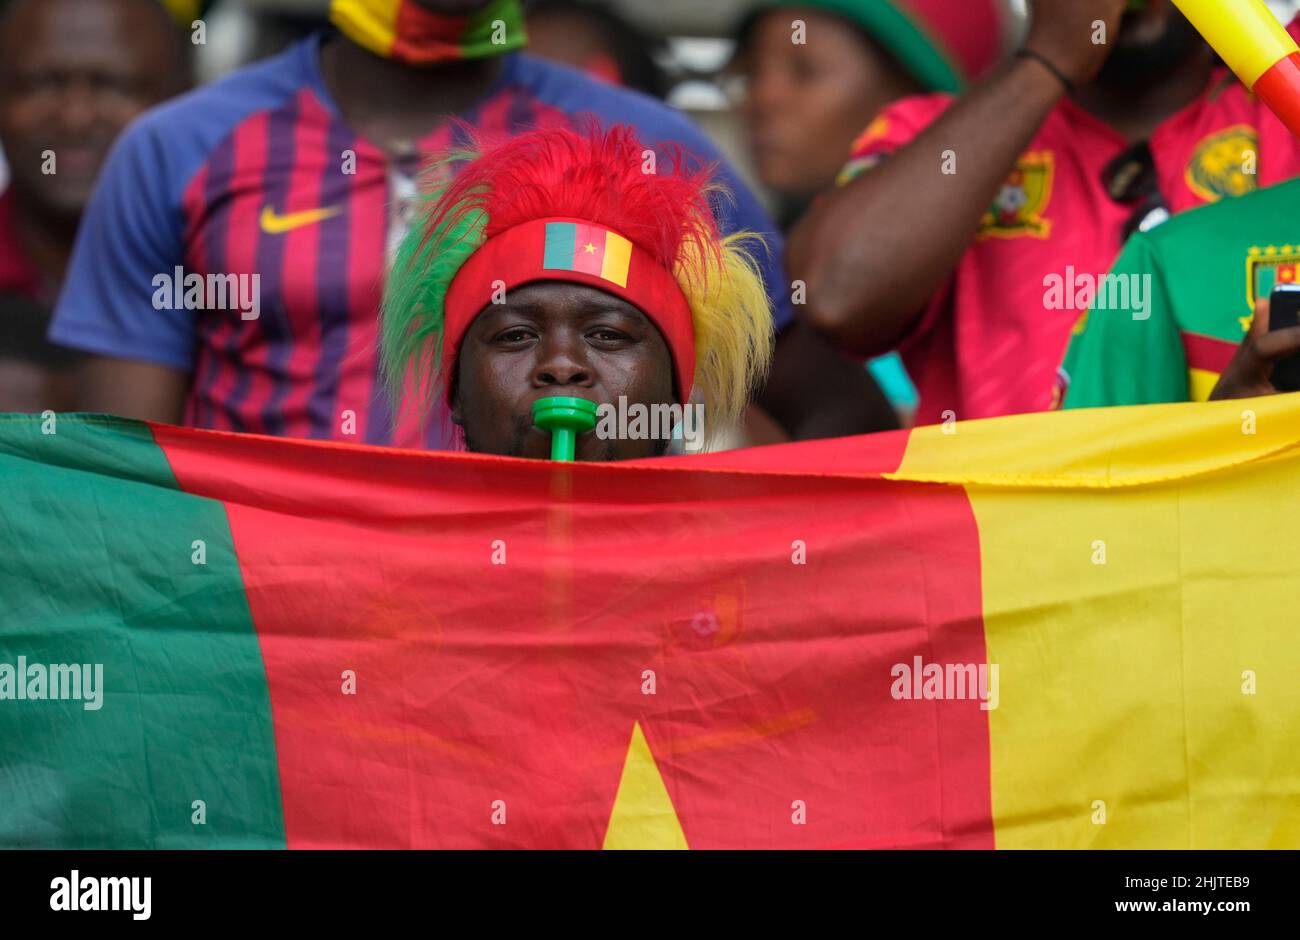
514	198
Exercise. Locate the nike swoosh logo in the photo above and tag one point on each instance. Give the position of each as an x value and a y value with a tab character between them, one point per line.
274	224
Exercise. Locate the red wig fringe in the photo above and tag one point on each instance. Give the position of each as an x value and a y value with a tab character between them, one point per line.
606	176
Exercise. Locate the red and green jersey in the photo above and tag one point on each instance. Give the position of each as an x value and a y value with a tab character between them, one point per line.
1198	277
990	340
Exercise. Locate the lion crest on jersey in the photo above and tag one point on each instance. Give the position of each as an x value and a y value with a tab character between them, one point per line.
1226	163
1018	208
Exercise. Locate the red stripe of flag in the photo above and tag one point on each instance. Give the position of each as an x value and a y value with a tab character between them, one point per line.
517	686
419	31
588	249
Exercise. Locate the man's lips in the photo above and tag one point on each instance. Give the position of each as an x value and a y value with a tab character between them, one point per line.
536	445
528	400
536	442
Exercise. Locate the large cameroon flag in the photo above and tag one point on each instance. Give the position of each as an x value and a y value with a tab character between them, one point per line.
1061	630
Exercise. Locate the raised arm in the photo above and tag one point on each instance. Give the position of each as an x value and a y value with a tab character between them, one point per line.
873	252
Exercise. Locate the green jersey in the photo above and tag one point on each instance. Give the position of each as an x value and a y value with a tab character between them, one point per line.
1187	293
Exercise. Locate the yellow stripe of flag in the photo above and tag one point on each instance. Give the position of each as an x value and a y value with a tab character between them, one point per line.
618	257
372	24
1141	605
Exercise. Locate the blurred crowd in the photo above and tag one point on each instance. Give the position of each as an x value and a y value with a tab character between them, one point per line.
971	209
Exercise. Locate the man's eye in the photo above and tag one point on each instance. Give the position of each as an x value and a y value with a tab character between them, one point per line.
118	85
43	83
606	335
519	335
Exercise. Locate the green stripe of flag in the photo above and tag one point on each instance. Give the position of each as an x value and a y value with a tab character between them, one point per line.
560	245
107	575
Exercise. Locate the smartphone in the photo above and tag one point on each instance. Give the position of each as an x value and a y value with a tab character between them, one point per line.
1283	313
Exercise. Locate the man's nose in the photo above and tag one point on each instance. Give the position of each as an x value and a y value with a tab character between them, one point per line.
78	106
767	94
562	361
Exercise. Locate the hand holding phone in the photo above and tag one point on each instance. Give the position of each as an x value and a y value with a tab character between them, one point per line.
1268	360
1284	314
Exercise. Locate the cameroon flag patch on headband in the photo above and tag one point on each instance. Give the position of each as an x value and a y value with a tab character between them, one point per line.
589	249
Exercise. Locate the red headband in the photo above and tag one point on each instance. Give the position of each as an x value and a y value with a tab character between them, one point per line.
564	249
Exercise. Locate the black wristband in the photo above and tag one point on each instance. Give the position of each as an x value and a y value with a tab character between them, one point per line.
1049	65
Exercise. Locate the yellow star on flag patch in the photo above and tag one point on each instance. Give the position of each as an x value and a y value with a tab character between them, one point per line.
643	816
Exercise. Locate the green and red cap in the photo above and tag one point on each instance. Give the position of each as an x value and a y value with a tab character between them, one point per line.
943	44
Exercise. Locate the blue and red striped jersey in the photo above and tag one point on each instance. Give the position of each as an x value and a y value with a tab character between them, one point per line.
258	174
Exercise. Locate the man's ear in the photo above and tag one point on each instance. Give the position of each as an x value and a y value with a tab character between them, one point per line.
457	413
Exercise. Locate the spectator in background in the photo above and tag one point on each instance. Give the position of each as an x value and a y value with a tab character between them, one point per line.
292	181
815	72
1201	280
73	74
961	214
597	41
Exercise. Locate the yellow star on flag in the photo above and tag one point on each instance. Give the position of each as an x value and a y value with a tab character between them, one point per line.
589	248
643	816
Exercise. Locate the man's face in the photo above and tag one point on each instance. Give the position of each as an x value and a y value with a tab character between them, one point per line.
1151	41
555	338
806	102
73	73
